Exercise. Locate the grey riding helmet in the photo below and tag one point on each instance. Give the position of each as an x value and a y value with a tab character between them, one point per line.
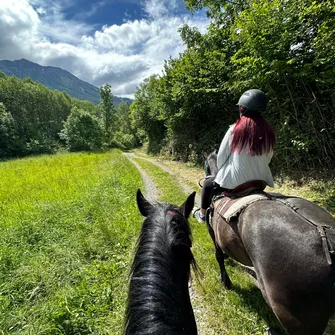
253	100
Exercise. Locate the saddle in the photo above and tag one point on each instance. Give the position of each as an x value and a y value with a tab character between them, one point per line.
232	202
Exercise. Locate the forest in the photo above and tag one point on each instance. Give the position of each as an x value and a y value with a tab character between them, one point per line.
286	48
36	120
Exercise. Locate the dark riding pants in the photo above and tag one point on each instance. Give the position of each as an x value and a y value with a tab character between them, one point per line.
207	192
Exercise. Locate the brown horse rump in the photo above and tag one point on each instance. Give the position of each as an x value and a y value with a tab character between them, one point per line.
229	208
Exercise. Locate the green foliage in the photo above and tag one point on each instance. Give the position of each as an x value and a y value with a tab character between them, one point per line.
284	48
82	131
124	141
108	111
32	117
146	113
125	137
32	120
7	133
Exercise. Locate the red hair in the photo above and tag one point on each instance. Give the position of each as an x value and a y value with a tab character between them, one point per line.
253	135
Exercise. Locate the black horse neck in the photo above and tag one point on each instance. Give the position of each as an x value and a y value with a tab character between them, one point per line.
159	301
212	164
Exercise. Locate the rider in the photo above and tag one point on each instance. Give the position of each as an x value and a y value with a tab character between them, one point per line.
245	151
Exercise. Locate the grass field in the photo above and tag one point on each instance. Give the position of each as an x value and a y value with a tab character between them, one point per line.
68	225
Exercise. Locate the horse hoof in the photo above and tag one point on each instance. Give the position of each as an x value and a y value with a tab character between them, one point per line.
228	285
270	331
225	283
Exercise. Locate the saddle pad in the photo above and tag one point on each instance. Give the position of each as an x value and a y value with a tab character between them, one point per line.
230	212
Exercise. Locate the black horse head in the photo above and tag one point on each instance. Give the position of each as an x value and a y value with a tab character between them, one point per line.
158	300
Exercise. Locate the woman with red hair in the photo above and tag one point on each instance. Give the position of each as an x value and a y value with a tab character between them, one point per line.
245	151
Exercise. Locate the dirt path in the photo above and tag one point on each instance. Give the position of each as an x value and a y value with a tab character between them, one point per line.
185	188
152	194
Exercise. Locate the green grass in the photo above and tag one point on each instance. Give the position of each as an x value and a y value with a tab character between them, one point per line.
68	227
235	312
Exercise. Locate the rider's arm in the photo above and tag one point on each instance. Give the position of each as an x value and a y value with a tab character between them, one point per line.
224	151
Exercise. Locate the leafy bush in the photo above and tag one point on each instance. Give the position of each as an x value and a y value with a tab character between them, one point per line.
82	131
7	132
124	141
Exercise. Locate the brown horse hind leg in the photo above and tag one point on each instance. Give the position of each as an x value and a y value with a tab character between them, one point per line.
220	257
309	319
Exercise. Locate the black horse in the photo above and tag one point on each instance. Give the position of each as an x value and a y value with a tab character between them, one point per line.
289	243
158	299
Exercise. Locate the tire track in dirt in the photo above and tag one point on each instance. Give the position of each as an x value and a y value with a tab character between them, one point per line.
184	187
152	194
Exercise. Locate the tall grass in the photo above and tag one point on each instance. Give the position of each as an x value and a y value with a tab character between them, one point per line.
68	225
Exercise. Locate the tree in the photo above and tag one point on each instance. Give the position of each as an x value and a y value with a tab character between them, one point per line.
125	137
147	115
7	133
107	112
285	48
82	131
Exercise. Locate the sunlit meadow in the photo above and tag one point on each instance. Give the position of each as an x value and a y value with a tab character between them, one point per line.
68	225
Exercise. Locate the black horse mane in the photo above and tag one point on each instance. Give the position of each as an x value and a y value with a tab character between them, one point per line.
160	268
211	164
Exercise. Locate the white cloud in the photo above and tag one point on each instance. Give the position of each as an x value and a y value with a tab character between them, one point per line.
122	55
123	38
156	8
40	10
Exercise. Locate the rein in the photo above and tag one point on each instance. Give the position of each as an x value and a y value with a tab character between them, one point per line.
204	179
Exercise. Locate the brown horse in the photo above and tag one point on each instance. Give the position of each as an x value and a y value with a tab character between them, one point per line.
289	242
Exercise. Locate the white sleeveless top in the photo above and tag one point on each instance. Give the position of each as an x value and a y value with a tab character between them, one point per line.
238	168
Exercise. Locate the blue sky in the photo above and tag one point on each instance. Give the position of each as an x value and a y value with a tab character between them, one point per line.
116	41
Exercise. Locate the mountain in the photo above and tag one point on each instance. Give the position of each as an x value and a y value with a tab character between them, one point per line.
56	79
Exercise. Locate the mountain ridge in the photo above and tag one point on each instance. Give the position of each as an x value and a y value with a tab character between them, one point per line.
55	78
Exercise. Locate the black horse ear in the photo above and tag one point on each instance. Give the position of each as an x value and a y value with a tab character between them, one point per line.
187	206
143	204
